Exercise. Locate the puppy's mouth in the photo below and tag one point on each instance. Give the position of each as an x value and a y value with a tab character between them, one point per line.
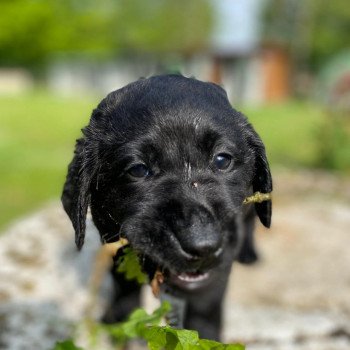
197	273
190	280
193	277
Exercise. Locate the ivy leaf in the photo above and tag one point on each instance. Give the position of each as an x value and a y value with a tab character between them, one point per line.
129	264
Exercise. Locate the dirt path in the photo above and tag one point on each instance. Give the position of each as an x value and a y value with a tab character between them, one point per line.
296	297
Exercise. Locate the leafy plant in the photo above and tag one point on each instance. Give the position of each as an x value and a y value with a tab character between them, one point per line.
136	325
144	326
182	339
334	142
129	264
141	325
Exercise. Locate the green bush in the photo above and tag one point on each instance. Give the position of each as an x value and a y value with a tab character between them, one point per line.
333	140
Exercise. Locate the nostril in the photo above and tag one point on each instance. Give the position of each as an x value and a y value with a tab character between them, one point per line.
200	236
202	247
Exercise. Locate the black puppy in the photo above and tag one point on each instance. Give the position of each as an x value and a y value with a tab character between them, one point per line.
166	162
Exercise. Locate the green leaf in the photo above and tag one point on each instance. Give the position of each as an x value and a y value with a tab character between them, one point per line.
137	324
186	338
159	338
66	345
156	338
206	344
129	264
145	326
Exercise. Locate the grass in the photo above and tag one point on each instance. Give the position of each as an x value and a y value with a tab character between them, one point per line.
38	131
36	142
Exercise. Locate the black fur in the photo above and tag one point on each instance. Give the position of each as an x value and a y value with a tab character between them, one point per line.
186	215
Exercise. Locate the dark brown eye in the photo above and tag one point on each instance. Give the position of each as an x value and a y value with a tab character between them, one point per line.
139	171
222	161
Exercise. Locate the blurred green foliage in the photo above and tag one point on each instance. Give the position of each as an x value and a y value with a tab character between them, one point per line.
164	26
34	31
37	138
313	30
333	138
330	25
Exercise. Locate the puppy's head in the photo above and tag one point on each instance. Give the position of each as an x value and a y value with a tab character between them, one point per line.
166	163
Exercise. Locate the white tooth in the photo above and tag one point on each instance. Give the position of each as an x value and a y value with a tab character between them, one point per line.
196	278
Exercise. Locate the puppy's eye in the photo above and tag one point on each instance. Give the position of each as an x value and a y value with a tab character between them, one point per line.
139	170
222	161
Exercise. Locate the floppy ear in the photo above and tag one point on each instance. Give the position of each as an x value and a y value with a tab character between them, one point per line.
76	195
81	171
262	180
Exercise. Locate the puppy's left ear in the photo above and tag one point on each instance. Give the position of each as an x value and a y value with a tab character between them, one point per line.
262	180
76	195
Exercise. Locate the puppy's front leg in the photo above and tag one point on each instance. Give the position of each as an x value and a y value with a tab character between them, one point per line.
207	321
125	299
204	309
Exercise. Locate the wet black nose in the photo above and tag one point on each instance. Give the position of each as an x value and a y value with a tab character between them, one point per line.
201	237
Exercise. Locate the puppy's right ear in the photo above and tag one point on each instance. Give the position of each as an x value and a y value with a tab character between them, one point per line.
76	195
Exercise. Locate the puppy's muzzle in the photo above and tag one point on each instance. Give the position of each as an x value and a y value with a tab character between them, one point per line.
199	235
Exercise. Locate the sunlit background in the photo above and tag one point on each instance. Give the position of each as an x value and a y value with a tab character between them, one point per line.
284	63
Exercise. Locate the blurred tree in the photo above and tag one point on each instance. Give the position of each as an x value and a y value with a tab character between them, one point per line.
330	29
313	30
32	31
165	26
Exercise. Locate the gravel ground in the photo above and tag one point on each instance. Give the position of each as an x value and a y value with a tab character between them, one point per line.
296	297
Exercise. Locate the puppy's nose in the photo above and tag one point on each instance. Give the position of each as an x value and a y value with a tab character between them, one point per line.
203	247
202	238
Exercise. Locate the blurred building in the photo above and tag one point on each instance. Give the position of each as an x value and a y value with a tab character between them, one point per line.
15	81
235	59
251	71
235	49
